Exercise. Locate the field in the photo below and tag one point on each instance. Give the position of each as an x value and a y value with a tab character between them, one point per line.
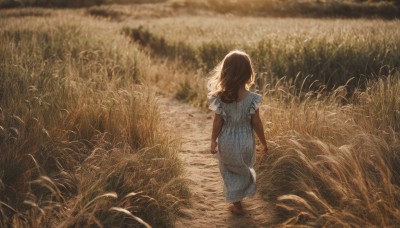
79	134
83	143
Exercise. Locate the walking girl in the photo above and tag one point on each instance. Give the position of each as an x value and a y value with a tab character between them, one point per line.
236	116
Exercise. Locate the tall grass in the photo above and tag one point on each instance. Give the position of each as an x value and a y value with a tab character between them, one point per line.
330	109
328	53
81	141
387	9
380	105
81	146
333	165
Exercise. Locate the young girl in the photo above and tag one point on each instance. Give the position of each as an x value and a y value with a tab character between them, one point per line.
236	116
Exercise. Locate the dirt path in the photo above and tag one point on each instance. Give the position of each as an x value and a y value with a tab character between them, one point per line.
208	206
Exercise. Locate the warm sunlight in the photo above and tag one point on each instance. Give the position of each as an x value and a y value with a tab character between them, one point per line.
199	113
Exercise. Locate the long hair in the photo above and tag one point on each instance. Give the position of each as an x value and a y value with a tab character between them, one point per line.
234	71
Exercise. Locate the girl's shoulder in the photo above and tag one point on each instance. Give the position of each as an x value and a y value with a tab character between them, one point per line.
255	102
214	98
252	96
255	95
215	104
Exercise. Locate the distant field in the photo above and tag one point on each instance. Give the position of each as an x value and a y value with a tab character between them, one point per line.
388	9
330	52
302	8
248	31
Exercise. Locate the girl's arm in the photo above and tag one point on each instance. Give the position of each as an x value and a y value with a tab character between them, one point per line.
217	126
259	128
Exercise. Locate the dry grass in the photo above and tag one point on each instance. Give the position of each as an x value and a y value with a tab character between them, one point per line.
332	164
328	53
334	143
304	8
81	141
285	8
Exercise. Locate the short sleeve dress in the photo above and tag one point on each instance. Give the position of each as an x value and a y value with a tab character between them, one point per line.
236	145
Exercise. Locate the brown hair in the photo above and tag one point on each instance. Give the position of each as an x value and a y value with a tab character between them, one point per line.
234	71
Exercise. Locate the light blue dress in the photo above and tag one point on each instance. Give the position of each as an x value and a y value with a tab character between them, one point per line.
236	145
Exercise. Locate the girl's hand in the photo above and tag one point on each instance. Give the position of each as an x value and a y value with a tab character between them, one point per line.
213	147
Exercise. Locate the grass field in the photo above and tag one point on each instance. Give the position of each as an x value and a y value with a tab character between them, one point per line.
81	140
333	164
316	54
388	9
75	93
304	8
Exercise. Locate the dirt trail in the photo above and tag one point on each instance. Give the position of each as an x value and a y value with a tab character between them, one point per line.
208	205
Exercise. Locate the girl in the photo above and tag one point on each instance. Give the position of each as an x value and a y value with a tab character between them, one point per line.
236	115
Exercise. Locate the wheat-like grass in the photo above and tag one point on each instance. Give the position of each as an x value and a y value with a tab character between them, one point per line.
304	8
81	146
329	53
332	164
333	138
78	133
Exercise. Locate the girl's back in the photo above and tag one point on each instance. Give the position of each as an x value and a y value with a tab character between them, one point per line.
237	113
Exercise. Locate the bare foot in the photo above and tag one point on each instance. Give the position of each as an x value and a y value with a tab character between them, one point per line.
236	209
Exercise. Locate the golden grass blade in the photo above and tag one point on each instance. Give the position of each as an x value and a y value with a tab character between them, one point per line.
286	207
316	198
106	195
36	206
8	206
46	182
122	210
297	200
132	194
